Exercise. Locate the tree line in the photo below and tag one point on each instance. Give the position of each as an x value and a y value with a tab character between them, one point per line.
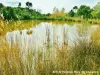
21	13
83	11
28	13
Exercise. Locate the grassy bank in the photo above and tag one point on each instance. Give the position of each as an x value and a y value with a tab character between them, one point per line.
73	19
11	25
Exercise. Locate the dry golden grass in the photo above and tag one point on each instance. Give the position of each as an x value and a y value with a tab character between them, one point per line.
12	62
83	57
10	59
8	26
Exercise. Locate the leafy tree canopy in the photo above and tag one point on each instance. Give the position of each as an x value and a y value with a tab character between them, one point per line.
96	11
71	13
84	11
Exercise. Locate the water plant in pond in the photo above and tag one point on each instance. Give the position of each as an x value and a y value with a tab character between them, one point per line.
21	32
29	32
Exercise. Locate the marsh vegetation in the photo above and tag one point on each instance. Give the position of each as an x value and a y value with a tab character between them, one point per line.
48	47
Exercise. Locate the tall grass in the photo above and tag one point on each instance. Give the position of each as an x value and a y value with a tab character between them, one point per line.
83	56
86	56
12	62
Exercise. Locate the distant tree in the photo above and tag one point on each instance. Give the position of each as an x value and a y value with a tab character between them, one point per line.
75	8
48	14
19	5
1	5
71	13
84	11
20	13
63	10
96	11
55	10
29	4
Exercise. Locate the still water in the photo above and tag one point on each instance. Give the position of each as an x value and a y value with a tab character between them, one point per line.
39	35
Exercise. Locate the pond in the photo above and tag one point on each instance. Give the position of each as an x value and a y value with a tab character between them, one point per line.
54	33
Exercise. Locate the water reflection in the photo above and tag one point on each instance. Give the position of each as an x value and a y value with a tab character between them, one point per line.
45	32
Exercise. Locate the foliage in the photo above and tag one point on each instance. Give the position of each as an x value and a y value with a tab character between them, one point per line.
57	12
29	4
96	11
17	13
1	5
75	7
71	13
20	13
84	11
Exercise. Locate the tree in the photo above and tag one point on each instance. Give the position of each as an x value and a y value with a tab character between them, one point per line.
84	11
71	13
1	5
29	4
19	5
11	14
62	10
75	8
48	14
96	11
55	10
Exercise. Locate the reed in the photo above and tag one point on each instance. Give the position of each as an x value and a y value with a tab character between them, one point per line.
82	57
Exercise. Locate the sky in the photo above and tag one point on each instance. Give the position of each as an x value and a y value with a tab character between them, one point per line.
47	5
